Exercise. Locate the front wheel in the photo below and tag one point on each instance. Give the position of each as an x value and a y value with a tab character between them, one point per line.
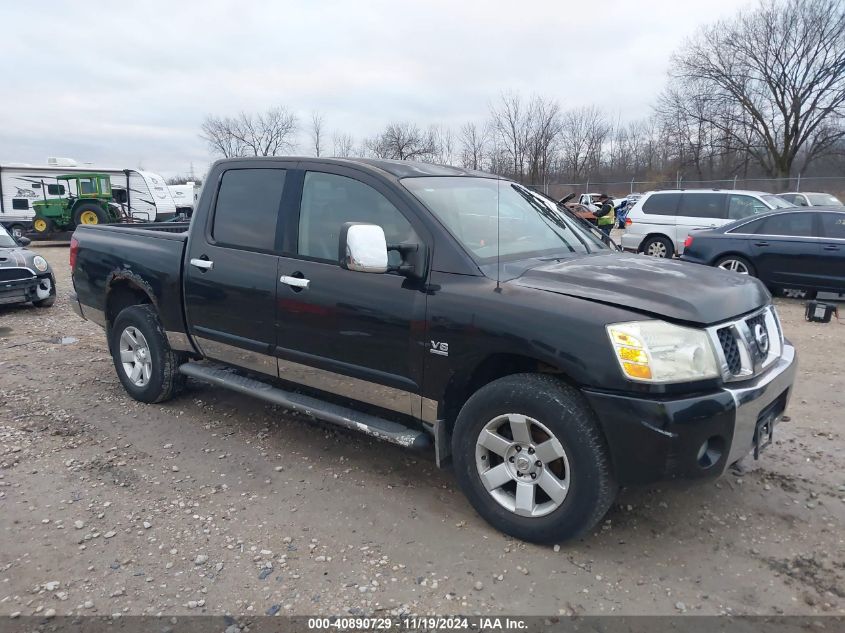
531	459
42	226
143	359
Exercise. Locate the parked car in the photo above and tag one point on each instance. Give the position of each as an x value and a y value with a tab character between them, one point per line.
24	276
803	199
802	250
660	221
425	305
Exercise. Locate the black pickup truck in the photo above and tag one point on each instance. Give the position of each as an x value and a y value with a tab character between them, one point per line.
437	307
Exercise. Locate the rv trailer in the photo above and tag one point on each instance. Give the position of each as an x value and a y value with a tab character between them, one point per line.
142	194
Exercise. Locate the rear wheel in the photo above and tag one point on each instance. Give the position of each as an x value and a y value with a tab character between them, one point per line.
736	264
530	458
143	359
90	214
42	226
17	230
658	246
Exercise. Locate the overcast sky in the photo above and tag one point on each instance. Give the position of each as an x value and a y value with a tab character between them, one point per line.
128	83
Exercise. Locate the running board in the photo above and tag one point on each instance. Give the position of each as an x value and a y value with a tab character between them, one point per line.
326	411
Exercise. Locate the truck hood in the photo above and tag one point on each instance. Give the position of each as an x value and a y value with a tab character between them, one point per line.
667	289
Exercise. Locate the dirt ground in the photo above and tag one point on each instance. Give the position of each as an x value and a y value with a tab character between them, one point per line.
216	503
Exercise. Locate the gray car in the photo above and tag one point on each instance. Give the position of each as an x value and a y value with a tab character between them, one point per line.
810	199
24	276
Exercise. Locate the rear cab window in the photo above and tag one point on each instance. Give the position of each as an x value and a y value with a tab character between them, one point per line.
246	213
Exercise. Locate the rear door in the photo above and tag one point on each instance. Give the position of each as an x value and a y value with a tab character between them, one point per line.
353	334
697	211
786	249
230	279
832	254
657	215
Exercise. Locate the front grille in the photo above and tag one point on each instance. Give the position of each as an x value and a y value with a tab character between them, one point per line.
15	274
755	349
731	349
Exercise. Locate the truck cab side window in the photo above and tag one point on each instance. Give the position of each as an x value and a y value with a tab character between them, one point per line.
247	209
329	201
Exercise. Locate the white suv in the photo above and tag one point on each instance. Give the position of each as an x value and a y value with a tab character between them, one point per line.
660	221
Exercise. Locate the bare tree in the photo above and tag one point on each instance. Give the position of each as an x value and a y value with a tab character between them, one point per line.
511	124
343	144
474	141
583	133
403	141
771	80
317	132
544	129
248	134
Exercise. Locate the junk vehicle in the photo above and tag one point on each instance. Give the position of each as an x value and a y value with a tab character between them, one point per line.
24	276
92	205
447	310
141	194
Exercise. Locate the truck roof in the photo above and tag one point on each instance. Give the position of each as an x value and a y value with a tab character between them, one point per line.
396	168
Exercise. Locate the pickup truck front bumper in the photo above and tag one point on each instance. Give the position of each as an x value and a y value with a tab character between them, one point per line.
696	436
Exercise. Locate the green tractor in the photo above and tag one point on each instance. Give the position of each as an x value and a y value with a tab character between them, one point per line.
92	204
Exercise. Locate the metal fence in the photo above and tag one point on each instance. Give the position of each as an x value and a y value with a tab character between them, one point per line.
827	184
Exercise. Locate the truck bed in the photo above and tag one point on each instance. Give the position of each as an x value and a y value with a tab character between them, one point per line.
146	257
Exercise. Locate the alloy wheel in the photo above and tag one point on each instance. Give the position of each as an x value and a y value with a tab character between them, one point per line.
656	249
135	356
734	266
522	465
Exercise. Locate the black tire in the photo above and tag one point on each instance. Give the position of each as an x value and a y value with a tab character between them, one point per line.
42	226
164	381
658	246
17	230
80	214
742	261
563	410
46	303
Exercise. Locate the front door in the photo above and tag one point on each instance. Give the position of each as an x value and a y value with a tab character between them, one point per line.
230	280
832	254
356	335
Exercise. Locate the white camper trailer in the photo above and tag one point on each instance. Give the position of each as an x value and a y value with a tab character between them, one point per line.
143	194
185	196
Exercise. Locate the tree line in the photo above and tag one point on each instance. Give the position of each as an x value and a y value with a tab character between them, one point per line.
759	95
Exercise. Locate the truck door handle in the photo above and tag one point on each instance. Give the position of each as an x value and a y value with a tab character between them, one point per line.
202	264
761	243
295	282
831	247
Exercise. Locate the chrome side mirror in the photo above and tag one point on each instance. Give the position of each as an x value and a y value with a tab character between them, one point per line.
363	248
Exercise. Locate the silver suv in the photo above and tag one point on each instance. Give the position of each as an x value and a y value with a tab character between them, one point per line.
660	221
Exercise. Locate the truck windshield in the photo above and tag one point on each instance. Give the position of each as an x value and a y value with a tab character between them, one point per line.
493	218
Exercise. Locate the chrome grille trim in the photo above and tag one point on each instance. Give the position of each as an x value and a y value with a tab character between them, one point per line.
751	362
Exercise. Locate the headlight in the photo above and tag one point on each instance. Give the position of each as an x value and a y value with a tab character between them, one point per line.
656	351
40	263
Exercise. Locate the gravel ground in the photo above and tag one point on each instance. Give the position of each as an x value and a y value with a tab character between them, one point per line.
216	503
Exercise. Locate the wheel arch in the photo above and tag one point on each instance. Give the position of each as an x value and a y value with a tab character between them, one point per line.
125	289
466	382
653	234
